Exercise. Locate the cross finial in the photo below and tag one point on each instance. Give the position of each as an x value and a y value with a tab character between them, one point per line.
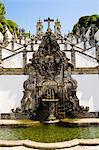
49	21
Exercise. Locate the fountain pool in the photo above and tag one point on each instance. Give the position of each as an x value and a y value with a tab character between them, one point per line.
48	133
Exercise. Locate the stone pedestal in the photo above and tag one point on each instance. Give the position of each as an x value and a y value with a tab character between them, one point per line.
52	108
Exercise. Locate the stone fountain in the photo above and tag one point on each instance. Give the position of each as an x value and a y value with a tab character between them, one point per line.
50	91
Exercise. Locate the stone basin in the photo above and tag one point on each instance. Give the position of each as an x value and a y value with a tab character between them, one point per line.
9	136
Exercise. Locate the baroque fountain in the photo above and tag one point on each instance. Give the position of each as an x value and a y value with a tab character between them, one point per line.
49	95
50	91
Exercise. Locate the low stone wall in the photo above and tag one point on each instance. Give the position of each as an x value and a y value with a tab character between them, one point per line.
16	116
21	115
86	114
51	146
6	116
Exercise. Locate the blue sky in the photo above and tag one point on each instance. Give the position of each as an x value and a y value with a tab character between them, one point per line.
27	12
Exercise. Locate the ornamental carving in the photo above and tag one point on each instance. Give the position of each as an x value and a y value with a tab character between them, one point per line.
50	90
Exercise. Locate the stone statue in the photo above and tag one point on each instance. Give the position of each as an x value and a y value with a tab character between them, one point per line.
5	39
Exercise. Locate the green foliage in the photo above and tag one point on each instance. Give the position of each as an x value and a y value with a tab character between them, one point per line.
27	34
11	25
74	29
2	10
1	26
4	22
86	21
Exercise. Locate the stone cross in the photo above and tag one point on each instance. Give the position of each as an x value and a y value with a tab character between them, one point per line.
49	21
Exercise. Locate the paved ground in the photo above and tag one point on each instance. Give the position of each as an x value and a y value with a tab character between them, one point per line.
86	120
83	148
16	148
17	122
73	148
81	144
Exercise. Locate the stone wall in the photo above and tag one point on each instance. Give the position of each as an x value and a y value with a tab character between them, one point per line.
15	116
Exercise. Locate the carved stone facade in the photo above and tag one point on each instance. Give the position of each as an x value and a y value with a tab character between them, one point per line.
57	29
49	92
39	29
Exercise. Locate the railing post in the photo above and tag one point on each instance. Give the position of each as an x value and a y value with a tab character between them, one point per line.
73	57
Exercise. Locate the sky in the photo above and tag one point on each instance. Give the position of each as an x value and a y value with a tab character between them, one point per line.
26	12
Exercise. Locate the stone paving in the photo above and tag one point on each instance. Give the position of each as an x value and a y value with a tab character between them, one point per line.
17	122
17	148
85	120
73	148
81	144
82	148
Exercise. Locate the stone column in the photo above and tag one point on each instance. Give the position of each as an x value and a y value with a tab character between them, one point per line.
69	72
97	53
20	38
65	43
84	40
24	56
25	42
12	44
32	45
82	34
77	39
0	53
65	47
70	36
78	33
92	32
73	61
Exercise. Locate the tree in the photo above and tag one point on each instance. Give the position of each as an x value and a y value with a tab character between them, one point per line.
86	21
11	25
2	10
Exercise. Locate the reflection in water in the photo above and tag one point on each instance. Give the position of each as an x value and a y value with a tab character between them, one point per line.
87	132
46	133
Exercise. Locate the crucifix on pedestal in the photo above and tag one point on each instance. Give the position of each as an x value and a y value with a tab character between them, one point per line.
49	21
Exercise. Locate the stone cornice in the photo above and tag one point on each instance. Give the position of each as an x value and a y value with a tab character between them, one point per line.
22	71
